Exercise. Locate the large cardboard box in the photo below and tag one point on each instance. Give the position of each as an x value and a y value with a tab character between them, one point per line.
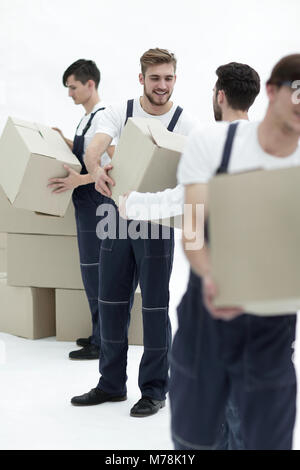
3	238
3	263
136	331
146	158
43	261
73	318
15	220
254	238
30	154
27	312
3	242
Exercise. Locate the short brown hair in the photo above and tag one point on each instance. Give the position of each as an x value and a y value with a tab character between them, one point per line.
287	69
157	56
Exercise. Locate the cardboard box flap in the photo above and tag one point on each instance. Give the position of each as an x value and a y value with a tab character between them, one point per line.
55	141
164	138
158	134
22	123
42	140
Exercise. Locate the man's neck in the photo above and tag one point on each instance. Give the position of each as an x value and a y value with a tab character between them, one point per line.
231	115
153	109
275	138
91	103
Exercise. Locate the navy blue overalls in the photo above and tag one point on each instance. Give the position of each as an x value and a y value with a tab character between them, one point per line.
124	263
86	200
248	358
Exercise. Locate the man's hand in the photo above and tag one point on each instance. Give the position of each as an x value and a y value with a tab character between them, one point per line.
59	131
68	141
102	180
70	182
209	293
122	205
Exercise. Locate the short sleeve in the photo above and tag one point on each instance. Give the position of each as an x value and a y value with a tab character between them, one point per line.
202	154
110	122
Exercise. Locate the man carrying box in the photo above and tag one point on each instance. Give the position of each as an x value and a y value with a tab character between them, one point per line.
249	357
82	79
125	262
234	93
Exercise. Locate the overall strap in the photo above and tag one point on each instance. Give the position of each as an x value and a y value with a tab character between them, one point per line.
174	119
129	110
227	148
90	121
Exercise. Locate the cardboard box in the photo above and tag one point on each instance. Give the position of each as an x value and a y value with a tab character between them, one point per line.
145	158
136	331
3	243
3	263
15	220
3	238
26	311
254	239
73	318
30	154
43	261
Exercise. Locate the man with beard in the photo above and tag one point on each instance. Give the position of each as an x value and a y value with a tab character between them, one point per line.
222	352
234	93
125	262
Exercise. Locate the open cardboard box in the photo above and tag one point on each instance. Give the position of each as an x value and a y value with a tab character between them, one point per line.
30	154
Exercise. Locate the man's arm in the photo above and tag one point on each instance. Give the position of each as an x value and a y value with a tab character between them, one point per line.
98	146
111	150
153	206
70	182
199	258
196	194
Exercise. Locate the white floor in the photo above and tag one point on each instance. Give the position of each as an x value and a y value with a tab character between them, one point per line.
37	381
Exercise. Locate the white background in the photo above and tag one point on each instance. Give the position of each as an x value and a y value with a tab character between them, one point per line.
39	39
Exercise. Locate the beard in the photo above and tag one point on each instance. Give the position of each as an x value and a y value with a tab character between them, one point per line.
152	100
217	112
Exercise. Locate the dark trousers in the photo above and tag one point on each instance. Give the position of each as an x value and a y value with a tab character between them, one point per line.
124	263
248	359
86	201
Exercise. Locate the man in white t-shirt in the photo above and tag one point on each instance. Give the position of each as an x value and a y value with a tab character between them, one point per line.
234	93
126	261
82	80
249	356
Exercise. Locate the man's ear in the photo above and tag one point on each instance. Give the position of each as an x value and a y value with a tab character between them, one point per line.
91	84
271	91
141	79
220	97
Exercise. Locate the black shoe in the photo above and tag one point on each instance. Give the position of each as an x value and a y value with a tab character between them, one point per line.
83	341
146	407
95	397
88	352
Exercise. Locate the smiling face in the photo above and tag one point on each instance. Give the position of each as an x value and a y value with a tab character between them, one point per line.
284	107
158	81
79	92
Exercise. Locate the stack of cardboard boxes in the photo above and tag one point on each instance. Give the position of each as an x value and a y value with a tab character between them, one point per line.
42	294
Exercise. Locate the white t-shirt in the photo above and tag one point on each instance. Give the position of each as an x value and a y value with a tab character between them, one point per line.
203	153
112	122
105	159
